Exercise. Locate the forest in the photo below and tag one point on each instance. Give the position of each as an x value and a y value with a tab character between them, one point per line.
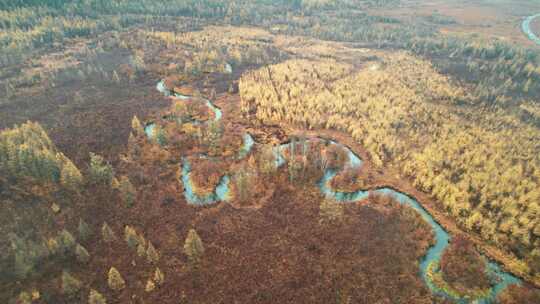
485	177
77	243
514	71
184	151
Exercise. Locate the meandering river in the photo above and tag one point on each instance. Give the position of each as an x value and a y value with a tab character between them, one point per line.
500	279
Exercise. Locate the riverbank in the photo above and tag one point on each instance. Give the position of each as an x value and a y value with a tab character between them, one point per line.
390	178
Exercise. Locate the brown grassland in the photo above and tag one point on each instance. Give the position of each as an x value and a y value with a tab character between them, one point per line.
480	18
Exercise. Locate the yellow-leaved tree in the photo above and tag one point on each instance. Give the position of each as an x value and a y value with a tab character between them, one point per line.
193	247
115	280
27	151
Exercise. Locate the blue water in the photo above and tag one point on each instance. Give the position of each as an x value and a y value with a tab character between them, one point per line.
247	145
160	86
217	112
221	193
278	154
228	68
167	92
354	160
149	130
526	27
499	278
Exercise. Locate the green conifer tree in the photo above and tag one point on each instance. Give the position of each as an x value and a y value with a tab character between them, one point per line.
131	237
70	285
82	254
160	136
66	242
127	191
85	232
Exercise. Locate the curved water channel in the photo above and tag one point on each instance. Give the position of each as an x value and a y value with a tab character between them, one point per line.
500	279
221	192
526	27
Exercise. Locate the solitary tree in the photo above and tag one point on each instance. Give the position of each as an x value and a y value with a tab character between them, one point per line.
115	280
141	250
243	180
84	230
96	298
193	246
152	254
115	77
133	147
131	237
82	254
150	286
127	191
161	136
137	126
115	184
24	298
107	233
52	245
137	61
159	277
70	285
66	242
212	136
267	160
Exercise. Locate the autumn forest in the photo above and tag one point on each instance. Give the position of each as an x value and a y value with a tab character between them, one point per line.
306	151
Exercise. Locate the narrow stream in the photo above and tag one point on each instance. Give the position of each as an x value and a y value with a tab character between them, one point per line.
500	279
221	193
526	27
